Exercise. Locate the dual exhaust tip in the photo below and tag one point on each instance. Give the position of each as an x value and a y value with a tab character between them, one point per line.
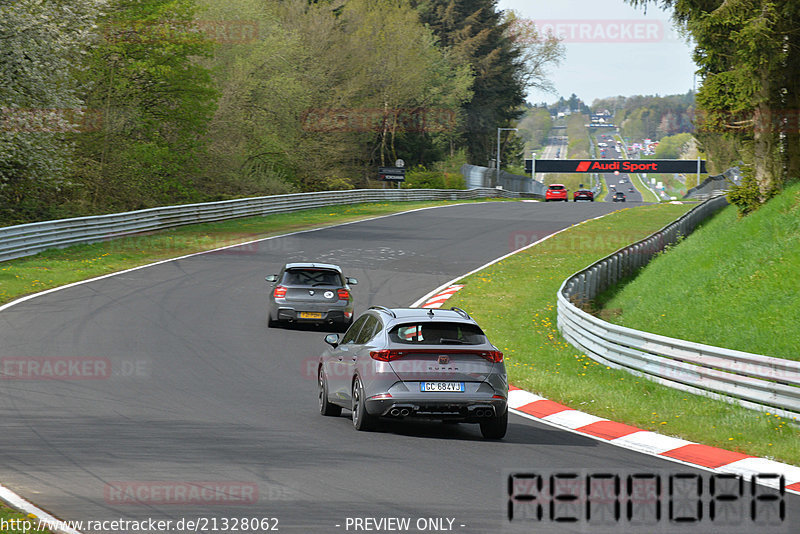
481	412
399	412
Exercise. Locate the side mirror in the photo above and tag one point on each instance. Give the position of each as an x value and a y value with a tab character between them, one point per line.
332	340
352	281
272	278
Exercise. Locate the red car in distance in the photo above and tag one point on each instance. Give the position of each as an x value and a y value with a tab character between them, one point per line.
556	192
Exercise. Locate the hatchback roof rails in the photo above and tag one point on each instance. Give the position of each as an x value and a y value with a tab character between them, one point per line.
461	312
383	309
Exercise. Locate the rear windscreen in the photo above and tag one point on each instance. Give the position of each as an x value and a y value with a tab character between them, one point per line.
556	187
437	333
311	277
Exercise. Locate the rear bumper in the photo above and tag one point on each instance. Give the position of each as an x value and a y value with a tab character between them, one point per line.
326	316
441	406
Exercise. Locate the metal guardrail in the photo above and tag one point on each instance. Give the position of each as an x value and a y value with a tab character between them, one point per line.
476	176
27	239
752	380
714	185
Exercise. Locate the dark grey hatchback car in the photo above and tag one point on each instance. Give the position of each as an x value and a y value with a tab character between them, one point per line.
316	293
416	363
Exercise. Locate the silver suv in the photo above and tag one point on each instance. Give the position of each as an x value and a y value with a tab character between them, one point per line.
415	363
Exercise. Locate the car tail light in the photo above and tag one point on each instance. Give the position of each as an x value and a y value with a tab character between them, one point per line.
386	355
279	292
494	356
343	294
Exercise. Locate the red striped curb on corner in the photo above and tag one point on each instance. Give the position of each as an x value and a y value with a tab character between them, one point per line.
631	437
439	298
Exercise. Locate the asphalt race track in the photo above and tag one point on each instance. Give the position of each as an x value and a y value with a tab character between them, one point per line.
201	391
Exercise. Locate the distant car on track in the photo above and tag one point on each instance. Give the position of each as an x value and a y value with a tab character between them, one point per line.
584	195
316	293
556	192
619	196
415	363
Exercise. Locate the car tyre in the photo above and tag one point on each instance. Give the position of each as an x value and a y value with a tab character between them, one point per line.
495	428
361	419
271	323
325	406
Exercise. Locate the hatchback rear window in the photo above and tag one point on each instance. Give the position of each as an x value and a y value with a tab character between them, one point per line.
311	277
556	187
437	333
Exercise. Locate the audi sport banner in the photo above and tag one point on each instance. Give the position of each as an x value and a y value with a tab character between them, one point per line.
684	166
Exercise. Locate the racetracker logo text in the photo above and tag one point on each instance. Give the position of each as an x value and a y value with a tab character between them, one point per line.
64	368
161	492
591	31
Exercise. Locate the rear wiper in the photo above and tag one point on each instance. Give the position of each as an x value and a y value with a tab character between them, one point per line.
446	341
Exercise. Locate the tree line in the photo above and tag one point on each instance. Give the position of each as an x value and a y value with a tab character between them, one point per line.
650	116
110	105
748	54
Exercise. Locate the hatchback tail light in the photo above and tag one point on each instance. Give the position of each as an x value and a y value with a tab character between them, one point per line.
386	355
343	294
280	292
494	356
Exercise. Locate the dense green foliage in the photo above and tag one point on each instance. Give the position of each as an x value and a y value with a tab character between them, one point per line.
748	53
39	100
422	178
124	104
505	57
534	128
674	146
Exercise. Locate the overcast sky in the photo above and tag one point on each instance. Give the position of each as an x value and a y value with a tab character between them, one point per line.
611	49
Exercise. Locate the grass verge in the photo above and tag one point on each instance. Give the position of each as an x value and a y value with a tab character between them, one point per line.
514	301
15	521
58	267
733	283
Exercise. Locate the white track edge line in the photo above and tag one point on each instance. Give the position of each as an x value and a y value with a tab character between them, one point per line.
116	273
23	505
430	294
620	445
26	506
523	414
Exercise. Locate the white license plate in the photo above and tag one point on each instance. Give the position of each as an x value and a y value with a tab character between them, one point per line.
310	315
442	386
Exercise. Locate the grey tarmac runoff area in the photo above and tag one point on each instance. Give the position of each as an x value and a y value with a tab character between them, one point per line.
200	391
